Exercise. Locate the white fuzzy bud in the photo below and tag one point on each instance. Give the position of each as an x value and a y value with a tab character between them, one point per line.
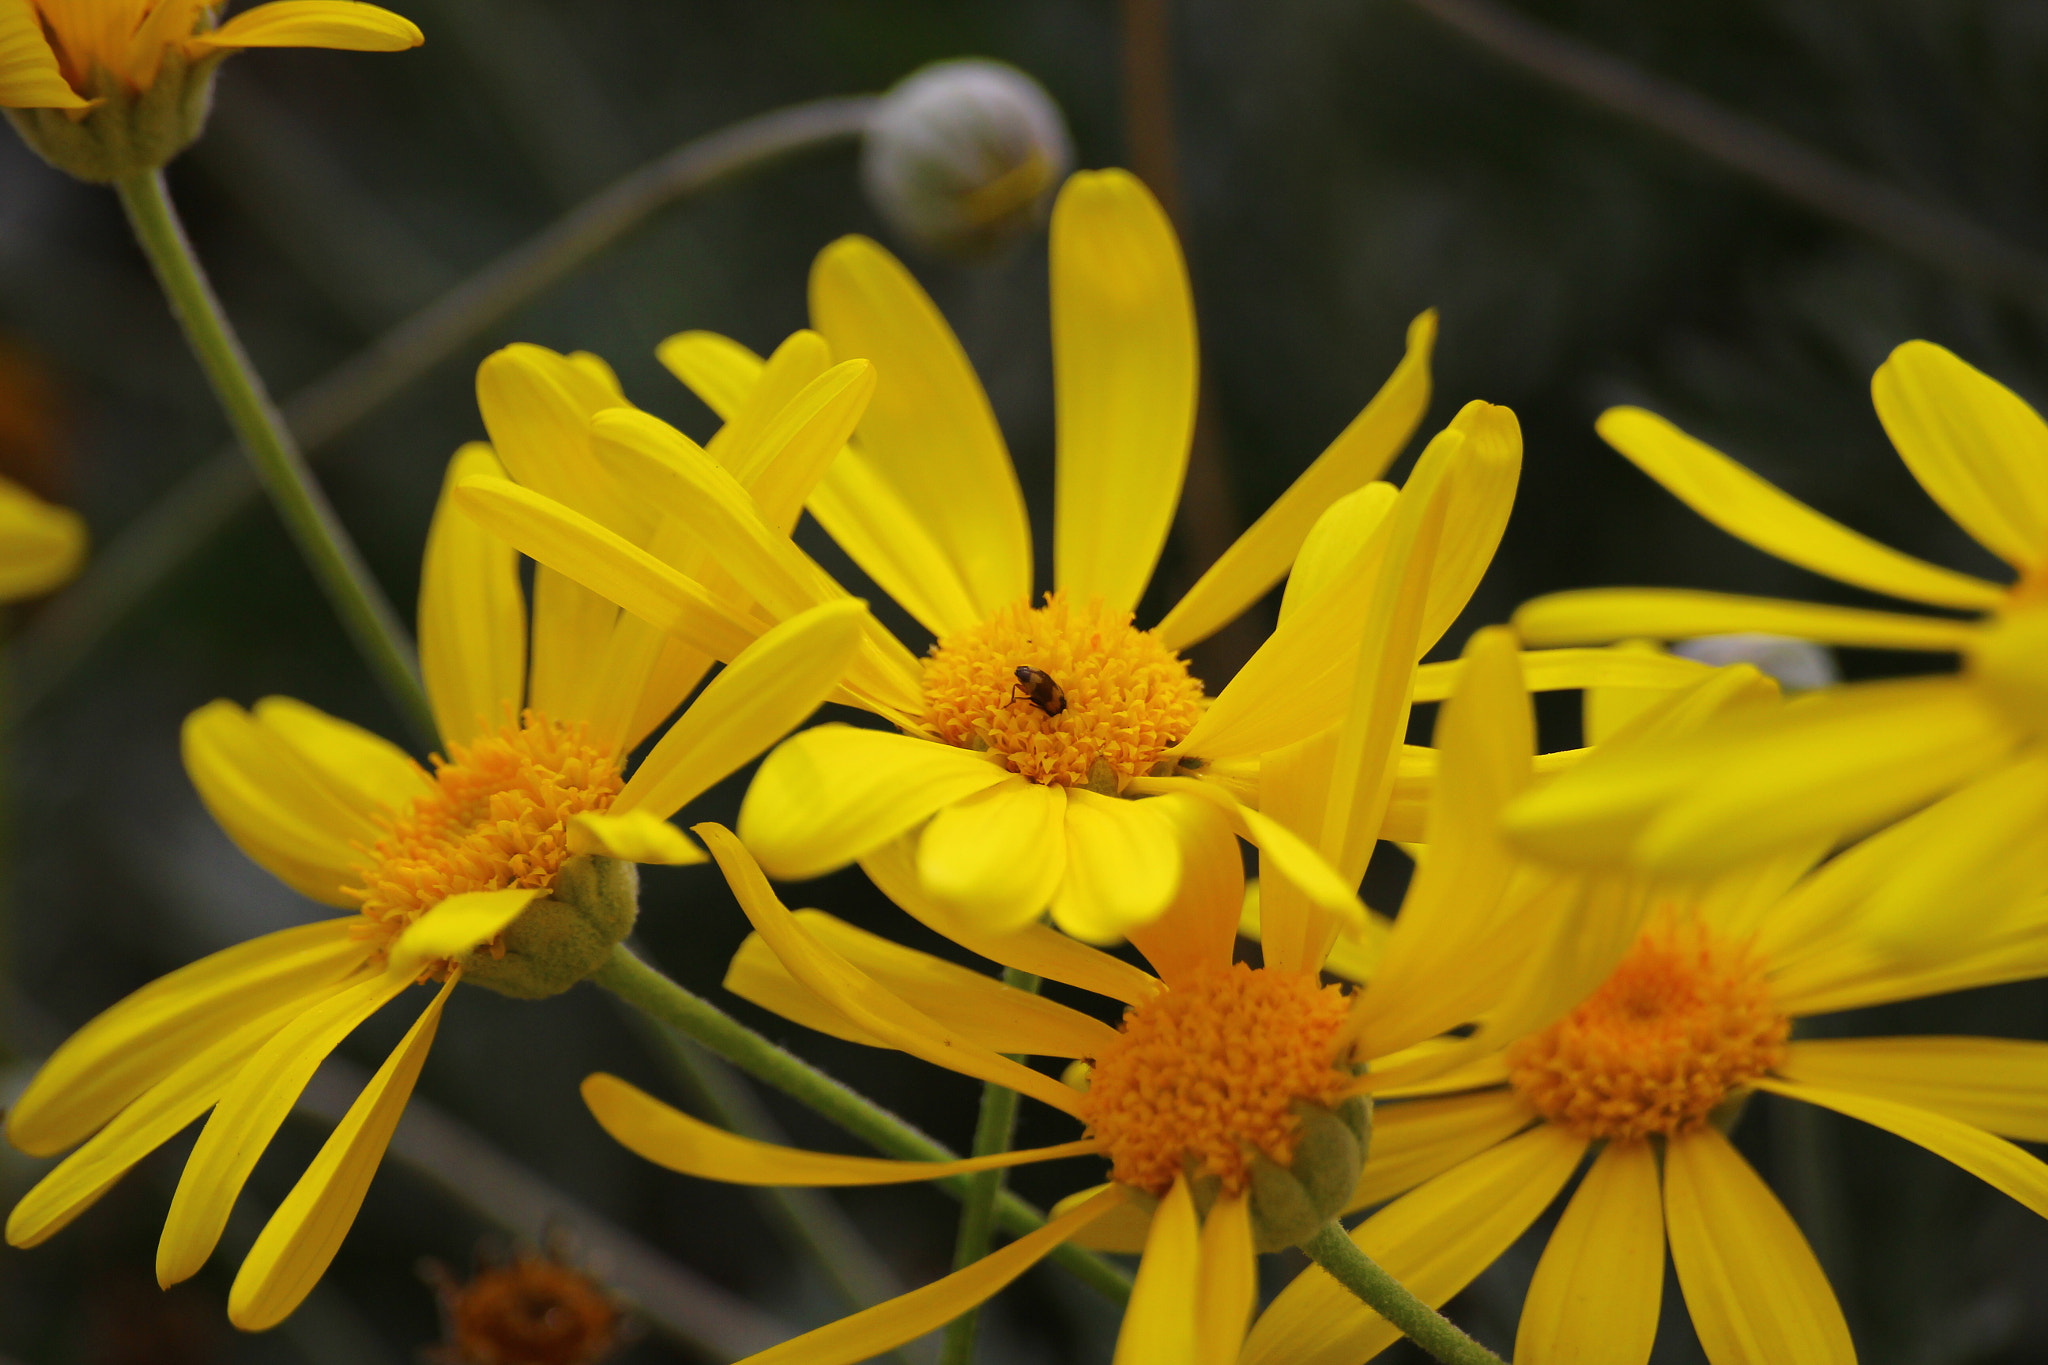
1798	665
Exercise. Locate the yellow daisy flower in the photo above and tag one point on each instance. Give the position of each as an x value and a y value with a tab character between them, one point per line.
1839	762
1026	734
1643	1075
473	871
41	545
1229	1103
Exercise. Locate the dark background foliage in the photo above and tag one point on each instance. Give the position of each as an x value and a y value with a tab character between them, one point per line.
1344	166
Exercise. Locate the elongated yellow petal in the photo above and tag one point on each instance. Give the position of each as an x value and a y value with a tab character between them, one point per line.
1554	670
573	627
1848	971
800	439
1123	866
867	1005
929	432
1418	1140
41	545
472	613
1483	478
1123	1229
367	771
1360	454
1600	1284
459	923
1199	929
1228	1290
1597	615
346	24
637	836
537	405
717	369
831	794
1751	508
1354	955
1123	350
763	389
1159	1323
297	1244
671	1138
909	1316
1973	444
29	75
1434	1240
1997	1084
136	1043
997	857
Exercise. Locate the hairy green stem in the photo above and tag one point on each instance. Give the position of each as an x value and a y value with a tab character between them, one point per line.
364	610
993	1132
648	991
1348	1265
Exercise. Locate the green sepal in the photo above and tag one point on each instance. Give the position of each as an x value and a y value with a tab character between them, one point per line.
1291	1203
129	132
565	938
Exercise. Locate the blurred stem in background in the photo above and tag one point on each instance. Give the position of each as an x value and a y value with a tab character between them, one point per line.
365	612
993	1132
154	545
667	1002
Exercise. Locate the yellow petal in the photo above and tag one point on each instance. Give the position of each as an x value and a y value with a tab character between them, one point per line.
762	388
867	1005
345	24
637	836
1159	1323
831	794
909	1316
1849	971
877	528
800	440
1122	1230
29	75
1973	444
1434	1240
472	613
1555	670
1123	866
1483	477
1418	1140
41	545
929	432
997	857
1360	454
367	771
1353	957
1600	1284
1754	1290
457	924
1228	1290
718	369
1199	929
296	1245
1997	1084
1123	351
1744	505
1596	615
573	628
537	406
671	1138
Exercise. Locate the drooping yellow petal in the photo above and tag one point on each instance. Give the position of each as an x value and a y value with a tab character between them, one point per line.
1744	505
1228	1289
346	24
297	1244
1434	1240
637	836
367	771
1997	1084
929	432
457	924
29	75
1198	931
1973	444
1418	1140
1597	615
1123	866
831	794
1123	352
1122	1230
1600	1284
41	545
1360	454
997	857
1159	1323
1755	1292
472	613
909	1316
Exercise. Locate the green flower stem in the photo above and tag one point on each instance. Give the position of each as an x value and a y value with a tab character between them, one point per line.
264	437
993	1132
654	995
1334	1251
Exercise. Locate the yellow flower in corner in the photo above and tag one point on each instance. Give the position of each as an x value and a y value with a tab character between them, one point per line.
41	545
1839	762
510	864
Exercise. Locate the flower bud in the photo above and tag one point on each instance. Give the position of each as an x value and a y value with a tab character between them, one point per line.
1291	1203
963	156
1798	665
129	131
564	938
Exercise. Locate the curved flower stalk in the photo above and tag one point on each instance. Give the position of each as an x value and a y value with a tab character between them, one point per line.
1230	1102
1645	1074
510	864
41	545
1840	762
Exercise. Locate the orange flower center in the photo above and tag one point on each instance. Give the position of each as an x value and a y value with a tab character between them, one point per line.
532	1312
1683	1023
1209	1071
498	817
1073	695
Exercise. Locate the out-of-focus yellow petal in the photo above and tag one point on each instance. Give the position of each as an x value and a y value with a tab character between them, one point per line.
1199	929
41	545
831	794
909	1316
366	770
1123	352
929	432
1483	479
997	857
1354	955
637	836
1418	1140
1754	1290
1997	1084
1159	1323
136	1043
1973	444
717	369
1122	1230
472	613
1751	508
1557	670
1360	454
1847	970
296	1245
1597	615
1348	526
346	24
29	75
1600	1284
1123	866
1228	1290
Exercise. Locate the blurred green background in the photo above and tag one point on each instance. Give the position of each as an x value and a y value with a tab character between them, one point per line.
1342	166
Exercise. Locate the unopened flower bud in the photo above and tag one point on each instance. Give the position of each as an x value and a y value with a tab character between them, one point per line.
1291	1203
128	131
963	156
562	939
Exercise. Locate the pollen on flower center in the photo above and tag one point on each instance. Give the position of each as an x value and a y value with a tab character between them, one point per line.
1210	1071
1685	1021
1108	699
498	817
